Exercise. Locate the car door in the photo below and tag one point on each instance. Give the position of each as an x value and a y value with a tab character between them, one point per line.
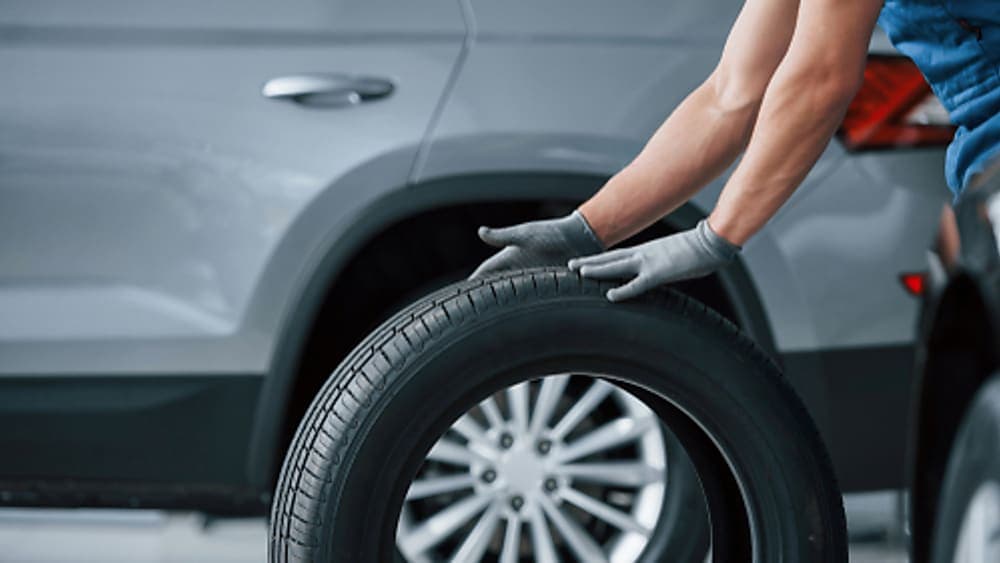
152	155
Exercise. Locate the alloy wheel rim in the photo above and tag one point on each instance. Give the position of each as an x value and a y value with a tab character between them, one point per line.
561	466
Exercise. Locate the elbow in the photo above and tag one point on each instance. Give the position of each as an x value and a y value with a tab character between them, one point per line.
831	85
839	89
732	92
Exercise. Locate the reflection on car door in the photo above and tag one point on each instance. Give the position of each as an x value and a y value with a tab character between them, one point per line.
145	179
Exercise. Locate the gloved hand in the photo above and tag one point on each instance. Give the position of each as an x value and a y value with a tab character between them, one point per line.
681	256
539	243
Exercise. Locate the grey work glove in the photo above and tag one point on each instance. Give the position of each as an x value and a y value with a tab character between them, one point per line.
689	254
539	243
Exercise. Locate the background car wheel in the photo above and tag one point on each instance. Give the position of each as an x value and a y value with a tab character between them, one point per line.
764	475
967	528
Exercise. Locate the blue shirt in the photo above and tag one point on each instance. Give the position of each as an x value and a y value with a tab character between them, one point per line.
956	45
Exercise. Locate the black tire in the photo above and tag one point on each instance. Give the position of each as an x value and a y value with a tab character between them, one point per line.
973	471
766	478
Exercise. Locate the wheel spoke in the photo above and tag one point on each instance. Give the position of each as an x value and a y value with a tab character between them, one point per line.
582	447
434	486
456	454
581	544
603	511
517	397
622	473
548	398
478	540
437	528
511	551
492	412
594	396
611	435
542	547
471	431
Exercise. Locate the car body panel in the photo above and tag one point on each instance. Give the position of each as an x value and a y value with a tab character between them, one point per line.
846	242
706	22
126	439
167	229
174	145
146	186
339	19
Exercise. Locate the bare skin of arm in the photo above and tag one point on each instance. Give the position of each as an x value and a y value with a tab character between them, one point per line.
802	108
780	89
704	134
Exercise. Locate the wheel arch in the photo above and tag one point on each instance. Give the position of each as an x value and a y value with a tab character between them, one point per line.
958	353
397	206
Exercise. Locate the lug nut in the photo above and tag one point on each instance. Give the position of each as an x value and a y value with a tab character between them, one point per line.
551	484
489	476
544	446
506	441
516	502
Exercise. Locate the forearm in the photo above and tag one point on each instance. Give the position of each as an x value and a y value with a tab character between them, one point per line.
802	107
794	126
703	136
693	146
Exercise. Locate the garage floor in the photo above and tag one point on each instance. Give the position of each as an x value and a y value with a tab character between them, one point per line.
145	536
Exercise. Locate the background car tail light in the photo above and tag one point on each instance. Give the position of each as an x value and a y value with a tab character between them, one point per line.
895	107
915	283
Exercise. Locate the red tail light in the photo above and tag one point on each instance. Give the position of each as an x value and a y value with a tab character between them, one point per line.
894	108
914	283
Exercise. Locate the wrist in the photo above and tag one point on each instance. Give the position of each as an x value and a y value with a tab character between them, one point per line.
717	244
726	230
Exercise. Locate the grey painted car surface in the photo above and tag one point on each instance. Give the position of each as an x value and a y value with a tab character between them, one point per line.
169	236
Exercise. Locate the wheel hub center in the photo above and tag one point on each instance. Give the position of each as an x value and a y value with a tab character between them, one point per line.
522	469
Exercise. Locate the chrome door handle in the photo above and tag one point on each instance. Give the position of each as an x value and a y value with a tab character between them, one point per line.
327	89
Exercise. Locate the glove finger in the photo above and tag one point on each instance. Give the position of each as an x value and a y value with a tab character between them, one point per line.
616	270
501	237
595	259
500	261
634	288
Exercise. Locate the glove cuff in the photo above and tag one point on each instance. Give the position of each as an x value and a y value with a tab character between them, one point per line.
715	243
584	234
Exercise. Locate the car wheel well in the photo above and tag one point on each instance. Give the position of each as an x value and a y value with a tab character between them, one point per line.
405	260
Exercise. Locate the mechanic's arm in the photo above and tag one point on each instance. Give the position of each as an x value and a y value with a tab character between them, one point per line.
802	108
702	137
704	134
800	111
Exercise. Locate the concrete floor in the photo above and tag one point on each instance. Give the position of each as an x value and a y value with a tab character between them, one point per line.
127	536
145	536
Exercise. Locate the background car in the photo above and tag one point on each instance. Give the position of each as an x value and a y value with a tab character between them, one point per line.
955	478
203	207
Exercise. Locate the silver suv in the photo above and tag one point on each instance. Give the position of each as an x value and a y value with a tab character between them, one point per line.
205	206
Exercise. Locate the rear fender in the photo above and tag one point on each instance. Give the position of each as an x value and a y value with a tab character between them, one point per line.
407	202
